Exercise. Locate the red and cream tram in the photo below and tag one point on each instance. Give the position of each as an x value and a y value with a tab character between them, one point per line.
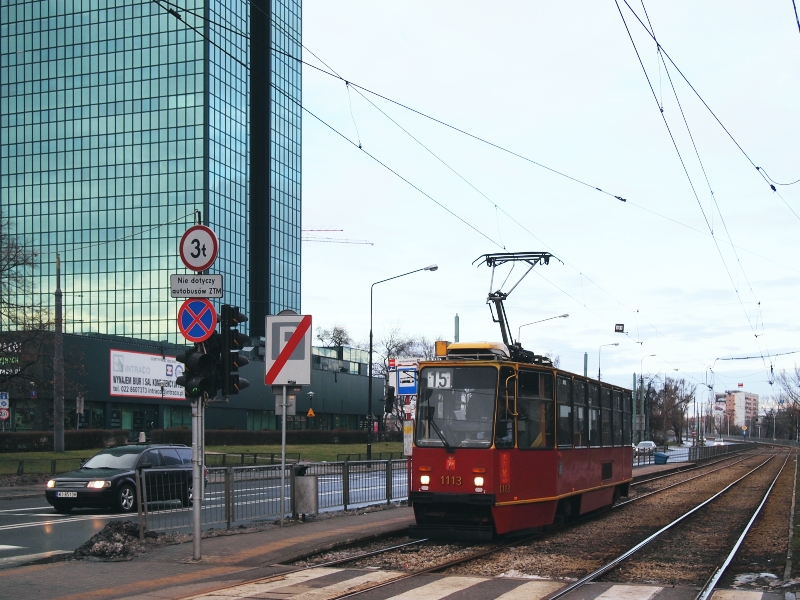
506	445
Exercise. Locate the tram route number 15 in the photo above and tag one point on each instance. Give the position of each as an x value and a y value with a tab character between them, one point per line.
440	378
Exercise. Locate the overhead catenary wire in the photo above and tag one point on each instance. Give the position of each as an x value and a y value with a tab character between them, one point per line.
697	154
278	51
332	73
651	31
683	164
713	114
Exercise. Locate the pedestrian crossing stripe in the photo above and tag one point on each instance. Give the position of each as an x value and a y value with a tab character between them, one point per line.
303	585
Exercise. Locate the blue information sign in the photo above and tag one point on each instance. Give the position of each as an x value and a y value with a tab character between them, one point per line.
197	319
406	381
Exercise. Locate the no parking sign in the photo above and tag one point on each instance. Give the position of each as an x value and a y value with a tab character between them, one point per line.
197	319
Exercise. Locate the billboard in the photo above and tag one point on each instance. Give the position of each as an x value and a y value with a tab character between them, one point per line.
141	375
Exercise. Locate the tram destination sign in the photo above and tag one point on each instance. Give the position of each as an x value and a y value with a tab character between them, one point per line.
195	286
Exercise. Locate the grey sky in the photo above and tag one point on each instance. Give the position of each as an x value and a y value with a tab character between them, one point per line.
560	83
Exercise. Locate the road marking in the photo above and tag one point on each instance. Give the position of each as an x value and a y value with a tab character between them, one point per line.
268	584
58	521
629	592
532	589
440	588
6	547
15	560
736	595
351	585
9	510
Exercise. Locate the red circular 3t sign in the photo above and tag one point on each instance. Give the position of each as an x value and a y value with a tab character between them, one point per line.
199	247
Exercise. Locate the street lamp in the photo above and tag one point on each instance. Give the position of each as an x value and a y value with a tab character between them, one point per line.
564	316
599	350
369	382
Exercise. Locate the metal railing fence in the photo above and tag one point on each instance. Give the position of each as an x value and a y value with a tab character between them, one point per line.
375	456
241	459
250	493
691	453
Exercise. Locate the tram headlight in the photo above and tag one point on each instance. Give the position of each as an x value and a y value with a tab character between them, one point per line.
424	479
478	481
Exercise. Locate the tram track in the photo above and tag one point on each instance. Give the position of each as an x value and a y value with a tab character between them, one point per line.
463	560
644	495
483	553
710	584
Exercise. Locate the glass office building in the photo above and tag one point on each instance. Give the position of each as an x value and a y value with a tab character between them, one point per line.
119	121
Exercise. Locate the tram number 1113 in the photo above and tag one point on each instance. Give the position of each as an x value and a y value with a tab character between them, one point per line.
450	480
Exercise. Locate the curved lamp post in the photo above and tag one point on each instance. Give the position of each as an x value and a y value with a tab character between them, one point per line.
370	418
519	331
599	350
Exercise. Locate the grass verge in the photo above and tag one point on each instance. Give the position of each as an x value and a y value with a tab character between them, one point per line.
39	462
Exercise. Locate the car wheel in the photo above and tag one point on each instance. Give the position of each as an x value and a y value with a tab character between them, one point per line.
126	498
62	508
188	495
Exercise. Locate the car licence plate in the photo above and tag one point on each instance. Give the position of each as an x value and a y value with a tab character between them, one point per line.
66	494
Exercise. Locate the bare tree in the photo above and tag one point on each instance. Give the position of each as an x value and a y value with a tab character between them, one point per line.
23	324
399	345
789	387
668	407
335	336
554	357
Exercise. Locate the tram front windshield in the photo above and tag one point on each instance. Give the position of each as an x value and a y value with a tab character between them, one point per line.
455	407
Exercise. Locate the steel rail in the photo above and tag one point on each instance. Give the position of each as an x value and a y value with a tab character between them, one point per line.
330	563
613	564
432	569
458	561
677	483
708	588
687	469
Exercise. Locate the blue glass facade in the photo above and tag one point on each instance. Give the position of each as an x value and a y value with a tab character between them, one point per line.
117	123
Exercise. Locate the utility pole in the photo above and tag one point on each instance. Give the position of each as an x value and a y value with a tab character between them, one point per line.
58	368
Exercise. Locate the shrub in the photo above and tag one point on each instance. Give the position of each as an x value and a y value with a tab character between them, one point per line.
81	439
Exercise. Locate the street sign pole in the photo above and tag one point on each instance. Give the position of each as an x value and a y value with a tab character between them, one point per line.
197	407
283	454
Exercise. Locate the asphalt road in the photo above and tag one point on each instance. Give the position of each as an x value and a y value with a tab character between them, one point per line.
30	529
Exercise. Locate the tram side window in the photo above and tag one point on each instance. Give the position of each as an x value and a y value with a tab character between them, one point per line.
504	431
579	435
535	420
605	416
564	421
594	415
617	418
627	405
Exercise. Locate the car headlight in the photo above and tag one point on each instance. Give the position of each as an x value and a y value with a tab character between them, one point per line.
424	479
478	481
99	484
51	483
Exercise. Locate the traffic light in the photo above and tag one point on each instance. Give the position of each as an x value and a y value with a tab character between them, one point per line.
200	371
388	406
232	342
